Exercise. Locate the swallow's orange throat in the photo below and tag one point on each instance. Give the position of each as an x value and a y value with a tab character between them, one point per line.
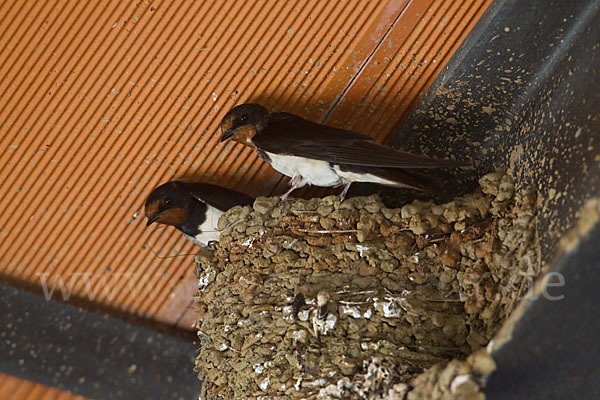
244	135
171	216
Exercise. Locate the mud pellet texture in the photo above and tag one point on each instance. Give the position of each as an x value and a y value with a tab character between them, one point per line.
327	299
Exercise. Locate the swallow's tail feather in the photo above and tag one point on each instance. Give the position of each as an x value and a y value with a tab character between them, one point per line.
422	181
393	177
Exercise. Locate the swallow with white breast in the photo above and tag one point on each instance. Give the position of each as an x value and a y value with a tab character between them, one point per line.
316	154
193	208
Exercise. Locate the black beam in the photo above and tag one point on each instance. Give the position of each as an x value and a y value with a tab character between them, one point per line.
554	352
523	91
92	354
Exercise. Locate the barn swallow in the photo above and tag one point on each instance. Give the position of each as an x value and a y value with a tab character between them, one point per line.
316	154
193	208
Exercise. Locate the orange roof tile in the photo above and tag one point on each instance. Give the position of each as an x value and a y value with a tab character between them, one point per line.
100	102
19	389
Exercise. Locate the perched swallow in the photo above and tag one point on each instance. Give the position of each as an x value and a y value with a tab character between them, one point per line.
315	154
193	208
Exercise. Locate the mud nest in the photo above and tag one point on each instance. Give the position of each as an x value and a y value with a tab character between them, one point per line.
327	299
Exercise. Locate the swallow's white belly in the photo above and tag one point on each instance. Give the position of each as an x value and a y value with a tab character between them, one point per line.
208	229
313	172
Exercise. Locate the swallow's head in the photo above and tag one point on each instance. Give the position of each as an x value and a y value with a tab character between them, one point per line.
168	204
242	122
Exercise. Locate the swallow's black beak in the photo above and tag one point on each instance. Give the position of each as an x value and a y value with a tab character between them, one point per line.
225	136
152	220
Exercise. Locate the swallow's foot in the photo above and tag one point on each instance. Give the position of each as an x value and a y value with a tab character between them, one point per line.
284	197
345	191
295	183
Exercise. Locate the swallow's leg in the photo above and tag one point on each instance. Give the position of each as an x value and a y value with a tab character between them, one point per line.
284	196
345	191
295	183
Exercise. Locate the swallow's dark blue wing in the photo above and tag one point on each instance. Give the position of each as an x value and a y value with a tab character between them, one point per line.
217	196
292	135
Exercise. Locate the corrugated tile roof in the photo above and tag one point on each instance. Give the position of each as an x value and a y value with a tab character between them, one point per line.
100	102
19	389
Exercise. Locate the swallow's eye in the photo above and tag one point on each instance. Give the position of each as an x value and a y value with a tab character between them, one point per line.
167	202
243	117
